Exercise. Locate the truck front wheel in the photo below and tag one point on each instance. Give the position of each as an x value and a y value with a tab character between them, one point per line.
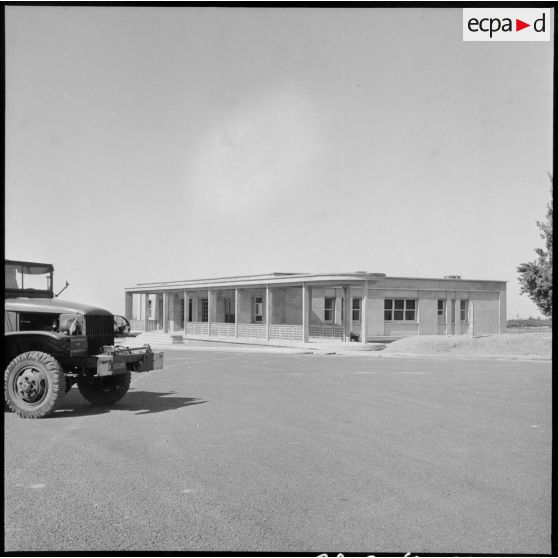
106	390
34	384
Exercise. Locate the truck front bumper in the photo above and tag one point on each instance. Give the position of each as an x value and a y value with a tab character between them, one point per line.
118	360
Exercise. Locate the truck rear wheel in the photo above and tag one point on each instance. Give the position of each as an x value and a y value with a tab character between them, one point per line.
34	384
106	390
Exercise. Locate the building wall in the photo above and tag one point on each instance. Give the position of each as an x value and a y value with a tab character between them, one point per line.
428	313
488	312
395	329
244	306
277	306
485	312
375	313
286	305
221	296
245	297
293	306
317	312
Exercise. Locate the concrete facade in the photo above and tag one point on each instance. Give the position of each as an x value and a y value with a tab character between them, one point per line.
288	308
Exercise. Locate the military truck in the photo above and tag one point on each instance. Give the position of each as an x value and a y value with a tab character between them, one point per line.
52	344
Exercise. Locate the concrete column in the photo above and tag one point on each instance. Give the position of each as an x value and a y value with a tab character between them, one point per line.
417	313
306	301
172	311
165	312
267	310
128	306
471	317
209	309
145	311
348	311
363	312
457	316
236	313
338	306
186	307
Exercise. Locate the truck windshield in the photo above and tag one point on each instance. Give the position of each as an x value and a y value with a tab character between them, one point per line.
28	277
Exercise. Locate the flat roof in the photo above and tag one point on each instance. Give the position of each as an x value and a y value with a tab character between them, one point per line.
48	266
267	278
287	278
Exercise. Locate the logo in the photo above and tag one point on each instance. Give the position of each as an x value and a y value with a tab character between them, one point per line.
506	24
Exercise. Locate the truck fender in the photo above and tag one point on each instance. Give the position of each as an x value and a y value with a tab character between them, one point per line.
43	341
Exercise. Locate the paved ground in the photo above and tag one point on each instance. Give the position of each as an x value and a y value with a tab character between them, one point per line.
274	452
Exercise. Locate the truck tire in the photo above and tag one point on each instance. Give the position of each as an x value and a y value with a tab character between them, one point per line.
106	390
34	384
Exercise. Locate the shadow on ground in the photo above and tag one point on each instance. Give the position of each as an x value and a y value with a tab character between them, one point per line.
138	402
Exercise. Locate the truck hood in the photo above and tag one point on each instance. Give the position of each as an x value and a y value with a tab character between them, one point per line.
52	306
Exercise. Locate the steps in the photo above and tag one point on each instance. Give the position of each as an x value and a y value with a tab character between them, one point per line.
154	338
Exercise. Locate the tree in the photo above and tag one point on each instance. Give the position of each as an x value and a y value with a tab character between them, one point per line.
535	277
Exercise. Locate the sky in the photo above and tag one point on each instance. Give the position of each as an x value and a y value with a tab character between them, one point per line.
158	144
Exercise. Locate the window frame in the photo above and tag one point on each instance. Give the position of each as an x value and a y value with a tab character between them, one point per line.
257	301
204	310
464	310
330	309
357	309
396	306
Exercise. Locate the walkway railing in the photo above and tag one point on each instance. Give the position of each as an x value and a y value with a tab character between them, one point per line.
197	328
281	332
222	329
327	331
286	332
256	331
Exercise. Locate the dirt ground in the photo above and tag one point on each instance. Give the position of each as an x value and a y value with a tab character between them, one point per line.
537	345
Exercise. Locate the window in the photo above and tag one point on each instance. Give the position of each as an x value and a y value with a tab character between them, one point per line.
28	276
329	309
258	309
399	309
441	308
464	310
190	310
356	309
204	310
181	312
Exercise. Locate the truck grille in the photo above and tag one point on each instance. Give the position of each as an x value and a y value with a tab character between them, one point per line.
99	330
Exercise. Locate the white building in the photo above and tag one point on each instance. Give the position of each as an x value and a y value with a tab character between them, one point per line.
287	308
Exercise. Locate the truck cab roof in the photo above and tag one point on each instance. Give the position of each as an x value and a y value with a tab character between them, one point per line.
52	306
